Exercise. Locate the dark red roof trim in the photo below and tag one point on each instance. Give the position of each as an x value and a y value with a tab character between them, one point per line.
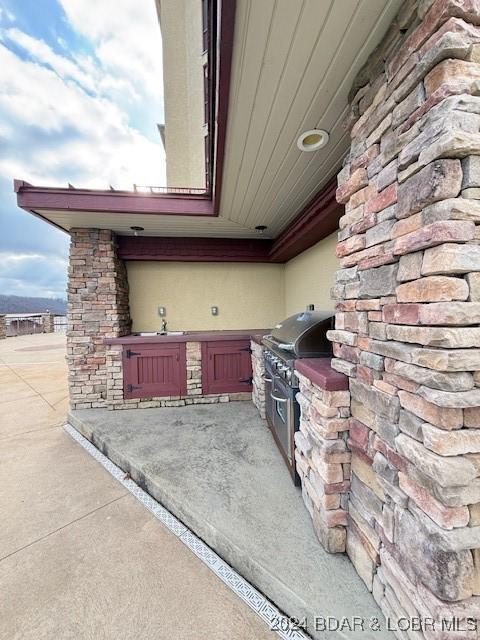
47	198
221	94
193	249
317	221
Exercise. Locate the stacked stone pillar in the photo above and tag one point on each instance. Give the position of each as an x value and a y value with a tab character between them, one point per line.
3	327
97	309
258	373
323	458
48	322
407	317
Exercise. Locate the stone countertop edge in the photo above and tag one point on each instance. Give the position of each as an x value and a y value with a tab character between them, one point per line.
321	374
193	336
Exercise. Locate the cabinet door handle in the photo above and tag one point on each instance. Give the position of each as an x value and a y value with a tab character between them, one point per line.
277	399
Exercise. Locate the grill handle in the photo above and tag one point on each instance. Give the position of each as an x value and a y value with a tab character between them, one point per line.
277	399
286	346
267	379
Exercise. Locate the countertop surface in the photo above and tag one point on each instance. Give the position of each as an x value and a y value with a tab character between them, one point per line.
192	336
319	371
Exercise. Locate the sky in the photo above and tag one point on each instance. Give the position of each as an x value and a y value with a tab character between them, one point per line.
81	93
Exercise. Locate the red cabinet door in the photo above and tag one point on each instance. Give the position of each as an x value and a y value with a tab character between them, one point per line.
226	366
151	371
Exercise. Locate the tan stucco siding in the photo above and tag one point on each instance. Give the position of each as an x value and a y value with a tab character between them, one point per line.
181	25
310	276
248	296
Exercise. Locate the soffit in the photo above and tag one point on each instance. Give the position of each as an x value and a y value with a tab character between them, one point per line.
294	63
154	225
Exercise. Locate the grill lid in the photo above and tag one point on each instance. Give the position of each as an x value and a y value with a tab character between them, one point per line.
304	334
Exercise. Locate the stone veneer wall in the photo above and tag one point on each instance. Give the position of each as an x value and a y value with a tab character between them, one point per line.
97	309
3	327
408	313
258	373
323	460
116	400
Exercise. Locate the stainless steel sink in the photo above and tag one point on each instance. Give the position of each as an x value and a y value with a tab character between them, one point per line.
159	333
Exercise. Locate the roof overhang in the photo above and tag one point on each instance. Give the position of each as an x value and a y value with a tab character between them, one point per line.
46	199
318	220
276	71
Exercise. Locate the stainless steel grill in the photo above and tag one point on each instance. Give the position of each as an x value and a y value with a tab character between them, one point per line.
303	335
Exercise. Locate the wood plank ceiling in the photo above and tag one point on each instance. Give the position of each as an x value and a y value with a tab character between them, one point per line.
294	63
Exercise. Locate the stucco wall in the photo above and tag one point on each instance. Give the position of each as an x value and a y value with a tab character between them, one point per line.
181	25
247	295
310	276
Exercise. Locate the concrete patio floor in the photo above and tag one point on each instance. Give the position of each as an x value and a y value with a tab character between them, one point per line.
80	557
217	469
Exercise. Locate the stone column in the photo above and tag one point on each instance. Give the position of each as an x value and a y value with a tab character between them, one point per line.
97	309
323	458
194	368
258	382
3	327
408	313
48	321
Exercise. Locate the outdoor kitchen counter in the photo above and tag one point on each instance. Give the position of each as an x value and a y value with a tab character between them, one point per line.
196	367
320	373
192	336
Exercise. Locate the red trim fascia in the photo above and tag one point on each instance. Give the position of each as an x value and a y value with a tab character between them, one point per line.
223	72
168	249
46	198
317	221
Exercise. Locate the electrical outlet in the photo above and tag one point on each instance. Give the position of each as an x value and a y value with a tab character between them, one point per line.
214	311
162	312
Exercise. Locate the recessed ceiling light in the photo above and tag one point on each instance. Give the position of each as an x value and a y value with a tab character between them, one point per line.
312	140
136	229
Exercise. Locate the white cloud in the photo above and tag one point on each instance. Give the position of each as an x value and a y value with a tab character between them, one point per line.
126	39
83	69
92	140
16	270
43	54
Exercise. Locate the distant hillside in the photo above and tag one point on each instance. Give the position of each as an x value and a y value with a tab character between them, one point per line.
24	304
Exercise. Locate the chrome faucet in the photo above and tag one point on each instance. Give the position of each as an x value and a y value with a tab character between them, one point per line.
164	326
